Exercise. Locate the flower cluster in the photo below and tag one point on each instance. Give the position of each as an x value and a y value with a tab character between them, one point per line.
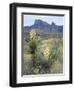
33	34
45	51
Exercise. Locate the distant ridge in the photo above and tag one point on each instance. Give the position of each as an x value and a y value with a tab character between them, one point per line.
44	27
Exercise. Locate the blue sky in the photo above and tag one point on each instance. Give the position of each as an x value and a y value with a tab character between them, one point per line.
28	20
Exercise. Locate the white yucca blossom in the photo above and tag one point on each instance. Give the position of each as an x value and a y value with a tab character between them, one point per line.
45	51
32	34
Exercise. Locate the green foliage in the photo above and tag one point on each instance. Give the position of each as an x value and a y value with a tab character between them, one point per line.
36	71
33	46
53	55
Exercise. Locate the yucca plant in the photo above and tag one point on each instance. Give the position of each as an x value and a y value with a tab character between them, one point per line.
33	48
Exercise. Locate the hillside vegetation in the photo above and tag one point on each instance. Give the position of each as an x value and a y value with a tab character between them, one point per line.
42	53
